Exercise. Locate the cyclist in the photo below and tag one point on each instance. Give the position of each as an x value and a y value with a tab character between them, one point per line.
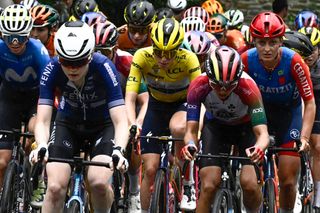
313	62
29	3
163	12
21	62
235	19
283	78
91	18
45	23
91	108
306	18
139	16
167	71
212	7
178	7
106	42
280	7
198	43
80	7
198	12
235	115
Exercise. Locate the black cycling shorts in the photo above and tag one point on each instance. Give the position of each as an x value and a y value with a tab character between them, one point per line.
16	106
156	122
217	139
68	138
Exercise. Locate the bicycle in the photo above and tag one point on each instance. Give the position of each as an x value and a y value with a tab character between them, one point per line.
306	184
16	192
121	181
78	201
270	187
166	194
226	198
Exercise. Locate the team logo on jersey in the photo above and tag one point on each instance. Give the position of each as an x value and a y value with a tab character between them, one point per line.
294	133
12	75
282	80
173	73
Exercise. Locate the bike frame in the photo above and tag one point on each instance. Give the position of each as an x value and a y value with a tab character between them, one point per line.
78	189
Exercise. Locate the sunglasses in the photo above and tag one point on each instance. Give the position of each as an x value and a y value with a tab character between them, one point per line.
74	64
139	30
9	39
167	54
226	87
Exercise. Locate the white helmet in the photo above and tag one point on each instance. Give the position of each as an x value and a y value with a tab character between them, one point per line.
177	5
74	40
235	19
193	23
29	3
16	19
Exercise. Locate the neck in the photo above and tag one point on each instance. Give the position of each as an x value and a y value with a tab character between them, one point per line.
270	65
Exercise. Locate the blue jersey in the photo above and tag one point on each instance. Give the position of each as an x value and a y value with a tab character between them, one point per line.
100	92
286	83
22	72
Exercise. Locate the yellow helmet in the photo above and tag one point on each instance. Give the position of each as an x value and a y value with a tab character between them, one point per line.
313	33
167	34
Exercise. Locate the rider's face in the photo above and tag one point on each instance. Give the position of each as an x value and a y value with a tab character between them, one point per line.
41	33
267	48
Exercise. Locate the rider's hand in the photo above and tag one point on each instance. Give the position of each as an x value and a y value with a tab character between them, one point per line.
122	163
185	151
304	144
256	154
33	157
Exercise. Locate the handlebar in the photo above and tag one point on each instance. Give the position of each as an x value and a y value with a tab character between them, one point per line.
79	161
161	138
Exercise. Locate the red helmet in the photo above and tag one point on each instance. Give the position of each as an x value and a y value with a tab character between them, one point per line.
267	25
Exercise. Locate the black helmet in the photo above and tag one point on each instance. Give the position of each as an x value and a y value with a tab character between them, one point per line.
163	12
139	13
80	7
298	42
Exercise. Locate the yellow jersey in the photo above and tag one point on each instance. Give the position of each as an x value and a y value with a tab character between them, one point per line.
168	85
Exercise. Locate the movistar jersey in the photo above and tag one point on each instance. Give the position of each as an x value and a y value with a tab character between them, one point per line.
22	72
164	85
100	92
243	105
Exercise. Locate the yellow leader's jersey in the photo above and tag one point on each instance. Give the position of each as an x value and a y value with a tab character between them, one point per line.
164	85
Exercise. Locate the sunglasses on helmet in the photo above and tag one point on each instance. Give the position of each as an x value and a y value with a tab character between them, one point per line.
9	39
169	54
74	64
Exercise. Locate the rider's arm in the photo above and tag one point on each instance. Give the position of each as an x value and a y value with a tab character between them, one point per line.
143	103
262	136
191	132
42	126
119	118
301	74
132	87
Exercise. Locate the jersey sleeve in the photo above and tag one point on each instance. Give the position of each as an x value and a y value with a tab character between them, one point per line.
244	58
251	96
301	74
135	75
111	78
197	92
47	84
42	56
